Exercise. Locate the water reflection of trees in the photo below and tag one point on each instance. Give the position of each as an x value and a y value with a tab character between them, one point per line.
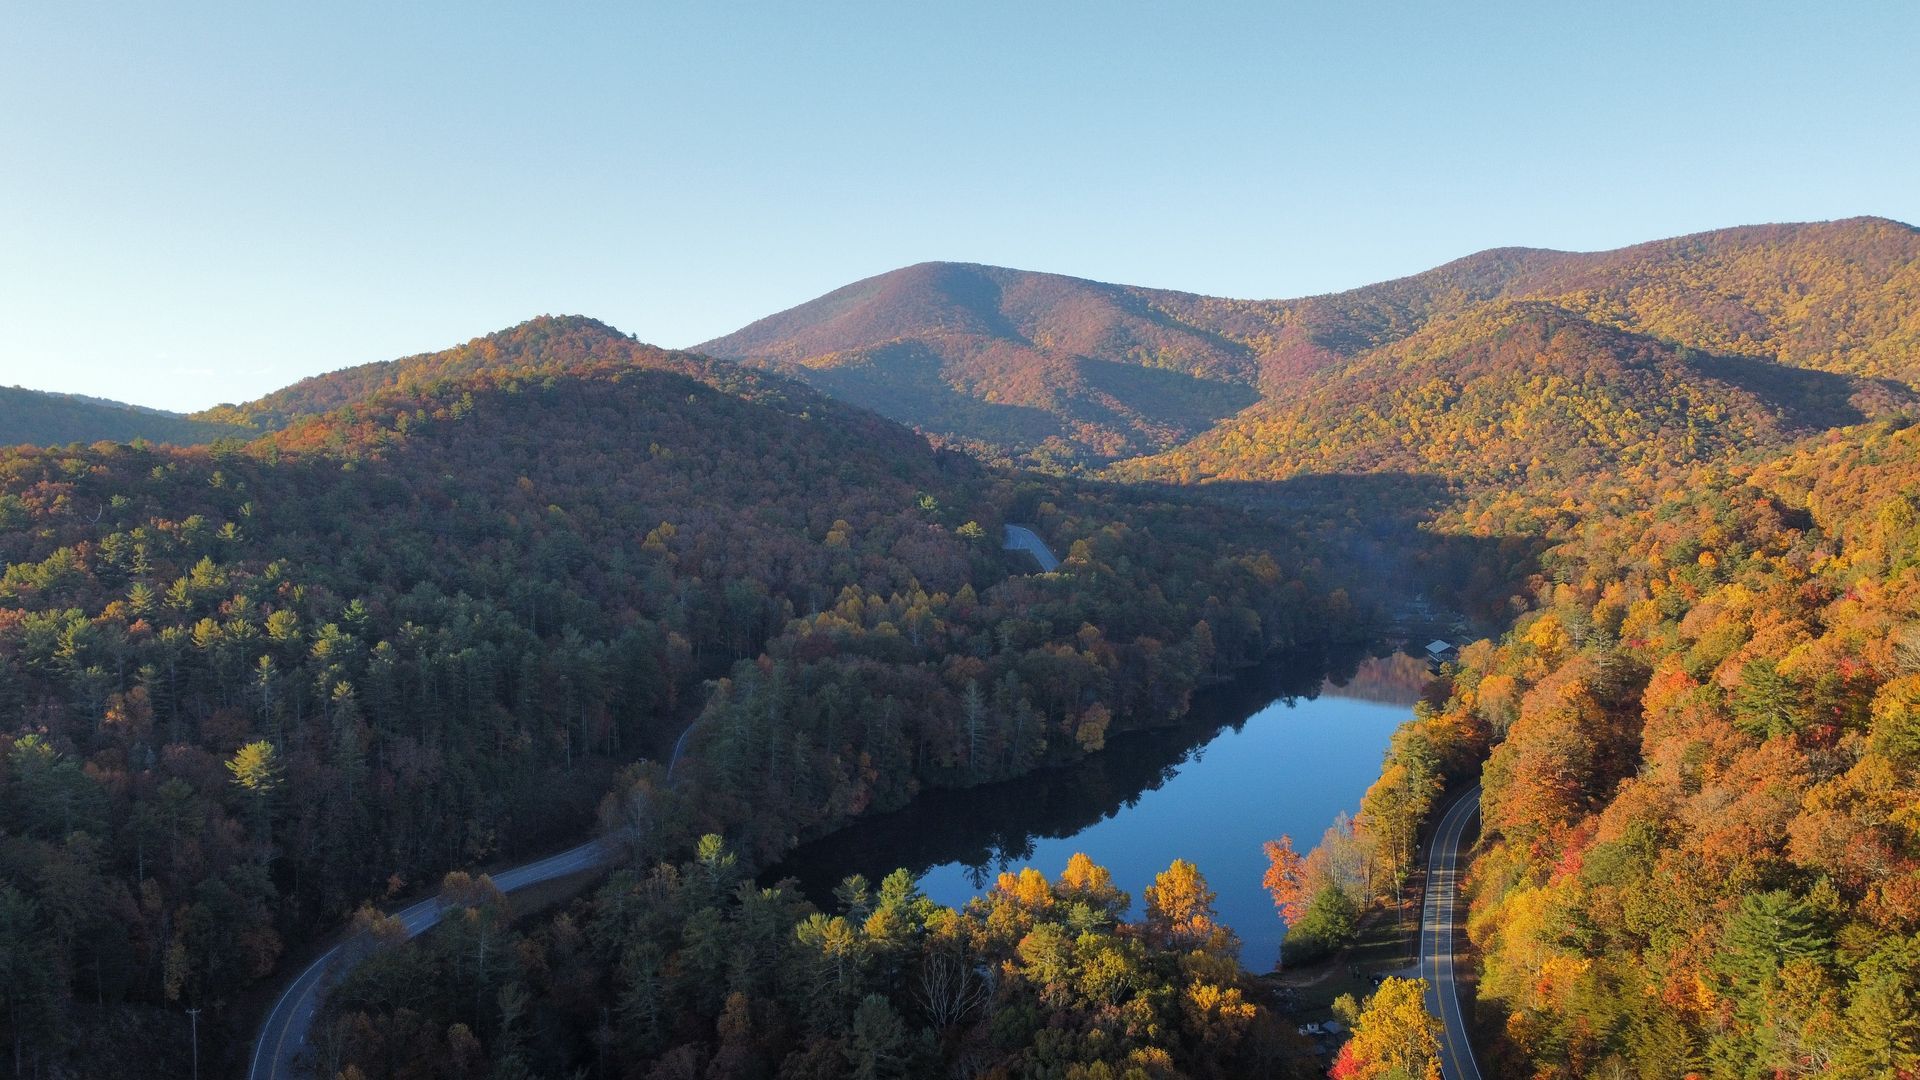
992	827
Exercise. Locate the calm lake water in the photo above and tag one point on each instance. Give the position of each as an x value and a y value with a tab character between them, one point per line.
1283	752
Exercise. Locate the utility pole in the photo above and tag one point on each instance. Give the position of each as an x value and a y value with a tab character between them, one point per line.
194	1015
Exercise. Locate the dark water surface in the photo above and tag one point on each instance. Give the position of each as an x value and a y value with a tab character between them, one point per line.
1284	751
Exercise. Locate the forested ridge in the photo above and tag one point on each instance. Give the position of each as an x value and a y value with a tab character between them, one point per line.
1528	395
1065	373
259	684
547	343
43	419
454	608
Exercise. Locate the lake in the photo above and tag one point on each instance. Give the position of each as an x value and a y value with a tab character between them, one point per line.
1282	752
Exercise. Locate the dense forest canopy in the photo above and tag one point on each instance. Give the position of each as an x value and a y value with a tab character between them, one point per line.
256	685
1703	853
442	611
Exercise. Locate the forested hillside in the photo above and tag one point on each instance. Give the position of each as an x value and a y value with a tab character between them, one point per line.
1010	363
1702	851
256	685
1698	858
456	607
689	970
1526	394
1067	373
42	419
548	342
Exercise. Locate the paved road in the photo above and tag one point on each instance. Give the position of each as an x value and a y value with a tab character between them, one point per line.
1438	923
282	1042
1021	538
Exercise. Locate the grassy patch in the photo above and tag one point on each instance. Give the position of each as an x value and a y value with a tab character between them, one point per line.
1387	943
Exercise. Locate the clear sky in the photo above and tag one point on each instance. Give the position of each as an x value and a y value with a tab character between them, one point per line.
199	203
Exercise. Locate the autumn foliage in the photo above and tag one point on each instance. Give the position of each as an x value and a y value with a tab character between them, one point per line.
1703	844
689	969
463	616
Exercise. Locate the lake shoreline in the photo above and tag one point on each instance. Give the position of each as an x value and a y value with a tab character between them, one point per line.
1214	811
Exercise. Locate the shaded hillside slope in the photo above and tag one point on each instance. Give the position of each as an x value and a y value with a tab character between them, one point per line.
38	418
1010	361
1525	392
1062	371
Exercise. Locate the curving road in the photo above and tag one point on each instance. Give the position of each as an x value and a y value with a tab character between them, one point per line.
1021	538
283	1036
1438	921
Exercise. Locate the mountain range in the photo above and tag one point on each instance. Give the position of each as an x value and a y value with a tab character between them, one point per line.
1674	347
1041	368
1502	365
443	610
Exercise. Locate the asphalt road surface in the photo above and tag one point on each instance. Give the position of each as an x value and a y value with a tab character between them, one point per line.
1439	925
279	1050
1021	538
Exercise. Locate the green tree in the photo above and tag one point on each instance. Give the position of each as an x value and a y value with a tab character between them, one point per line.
1769	930
1882	1028
1767	704
878	1047
1328	925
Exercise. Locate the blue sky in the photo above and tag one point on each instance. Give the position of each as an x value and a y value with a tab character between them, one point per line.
199	203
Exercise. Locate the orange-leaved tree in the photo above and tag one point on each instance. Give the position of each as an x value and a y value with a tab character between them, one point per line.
1286	879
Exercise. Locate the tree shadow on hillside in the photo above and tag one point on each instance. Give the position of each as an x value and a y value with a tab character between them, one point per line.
1805	398
910	389
1173	397
1369	531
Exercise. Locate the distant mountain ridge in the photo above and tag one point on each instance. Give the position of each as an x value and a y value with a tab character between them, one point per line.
992	357
44	418
1059	372
1051	369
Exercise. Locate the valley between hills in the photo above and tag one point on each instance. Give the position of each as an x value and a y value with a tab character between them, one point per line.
272	669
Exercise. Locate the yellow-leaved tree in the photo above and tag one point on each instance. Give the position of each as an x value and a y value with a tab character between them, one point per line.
1180	911
256	768
1395	1036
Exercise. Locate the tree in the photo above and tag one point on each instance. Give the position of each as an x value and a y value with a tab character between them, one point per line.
27	971
734	1058
256	769
1394	807
1769	930
1180	909
1326	926
1882	1028
1285	879
973	704
1088	885
1767	703
1395	1037
878	1047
